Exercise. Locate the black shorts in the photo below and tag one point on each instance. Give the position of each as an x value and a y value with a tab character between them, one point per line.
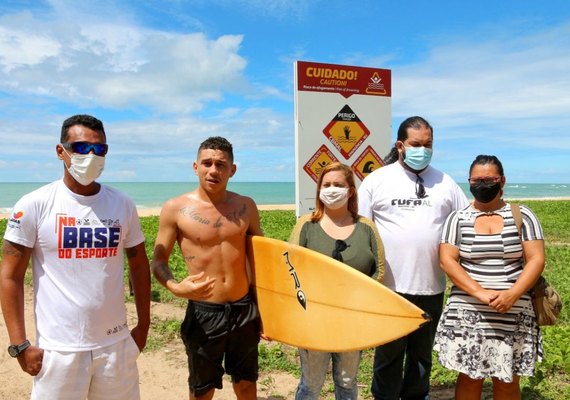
213	333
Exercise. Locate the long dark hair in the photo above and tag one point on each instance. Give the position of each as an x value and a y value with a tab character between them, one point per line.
415	122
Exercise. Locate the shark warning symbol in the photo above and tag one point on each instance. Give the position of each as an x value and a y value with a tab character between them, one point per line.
367	162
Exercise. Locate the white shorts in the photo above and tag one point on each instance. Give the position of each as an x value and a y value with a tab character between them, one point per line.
108	373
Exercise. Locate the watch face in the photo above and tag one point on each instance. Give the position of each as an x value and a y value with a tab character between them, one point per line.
13	351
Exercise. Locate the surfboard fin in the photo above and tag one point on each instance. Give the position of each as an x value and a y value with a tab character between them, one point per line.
427	318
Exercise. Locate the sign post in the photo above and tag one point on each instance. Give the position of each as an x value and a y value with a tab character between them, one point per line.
342	113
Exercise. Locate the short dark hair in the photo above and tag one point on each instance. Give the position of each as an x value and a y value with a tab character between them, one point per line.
217	143
87	121
483	159
415	122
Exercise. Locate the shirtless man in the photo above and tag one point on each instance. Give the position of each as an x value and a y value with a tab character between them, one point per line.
210	225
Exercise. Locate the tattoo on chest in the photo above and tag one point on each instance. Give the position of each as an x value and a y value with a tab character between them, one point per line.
189	258
192	213
233	216
236	215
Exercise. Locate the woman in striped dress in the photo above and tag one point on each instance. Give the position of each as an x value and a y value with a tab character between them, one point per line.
488	328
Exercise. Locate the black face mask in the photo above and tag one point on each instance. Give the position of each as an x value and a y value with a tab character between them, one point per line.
484	193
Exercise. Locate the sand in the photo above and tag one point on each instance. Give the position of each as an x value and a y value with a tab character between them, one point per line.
147	212
152	211
163	373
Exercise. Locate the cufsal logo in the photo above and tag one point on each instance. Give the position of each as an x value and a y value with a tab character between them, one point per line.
301	298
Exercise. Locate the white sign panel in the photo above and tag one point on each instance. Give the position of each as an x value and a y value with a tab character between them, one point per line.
342	113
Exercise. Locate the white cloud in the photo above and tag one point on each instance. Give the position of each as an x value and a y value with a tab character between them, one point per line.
20	49
518	82
104	64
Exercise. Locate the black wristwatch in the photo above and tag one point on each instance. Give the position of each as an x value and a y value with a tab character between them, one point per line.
16	350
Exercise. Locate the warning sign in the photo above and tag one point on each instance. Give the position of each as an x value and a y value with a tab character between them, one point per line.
346	132
318	161
375	85
367	162
344	111
343	79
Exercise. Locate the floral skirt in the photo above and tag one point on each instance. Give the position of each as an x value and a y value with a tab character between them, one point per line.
479	342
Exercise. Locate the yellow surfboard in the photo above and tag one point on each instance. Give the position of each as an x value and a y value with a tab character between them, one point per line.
312	301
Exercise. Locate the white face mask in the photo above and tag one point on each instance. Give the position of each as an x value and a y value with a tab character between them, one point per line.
334	197
85	168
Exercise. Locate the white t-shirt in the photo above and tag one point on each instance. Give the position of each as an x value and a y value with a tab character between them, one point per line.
410	228
77	262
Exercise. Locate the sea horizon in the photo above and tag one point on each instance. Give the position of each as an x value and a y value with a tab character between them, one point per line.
154	194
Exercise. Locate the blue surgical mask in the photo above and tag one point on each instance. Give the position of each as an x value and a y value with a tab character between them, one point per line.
417	158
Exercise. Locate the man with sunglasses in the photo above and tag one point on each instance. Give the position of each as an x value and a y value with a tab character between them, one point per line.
75	230
409	201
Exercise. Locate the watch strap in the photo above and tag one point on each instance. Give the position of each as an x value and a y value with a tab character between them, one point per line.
16	350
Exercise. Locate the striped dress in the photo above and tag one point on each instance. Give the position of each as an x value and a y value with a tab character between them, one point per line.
472	337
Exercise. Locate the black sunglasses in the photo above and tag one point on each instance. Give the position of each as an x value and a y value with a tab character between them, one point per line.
339	245
486	180
420	189
100	149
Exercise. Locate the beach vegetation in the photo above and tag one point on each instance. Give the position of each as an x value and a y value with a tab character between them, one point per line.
552	377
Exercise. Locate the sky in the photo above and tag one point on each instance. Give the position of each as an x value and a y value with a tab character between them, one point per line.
492	77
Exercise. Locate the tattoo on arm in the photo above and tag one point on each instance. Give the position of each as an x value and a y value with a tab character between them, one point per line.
131	252
162	273
9	249
189	258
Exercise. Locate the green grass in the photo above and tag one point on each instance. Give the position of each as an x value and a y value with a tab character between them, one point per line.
552	378
162	331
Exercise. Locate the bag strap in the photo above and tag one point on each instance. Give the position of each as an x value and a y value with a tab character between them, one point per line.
517	216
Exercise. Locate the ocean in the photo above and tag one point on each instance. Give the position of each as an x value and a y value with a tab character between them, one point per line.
153	194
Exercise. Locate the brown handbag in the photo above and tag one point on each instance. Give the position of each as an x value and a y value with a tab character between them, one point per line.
545	299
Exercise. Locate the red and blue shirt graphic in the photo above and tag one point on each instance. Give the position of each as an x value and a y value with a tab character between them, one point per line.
82	238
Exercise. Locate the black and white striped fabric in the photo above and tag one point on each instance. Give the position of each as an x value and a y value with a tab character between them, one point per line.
473	338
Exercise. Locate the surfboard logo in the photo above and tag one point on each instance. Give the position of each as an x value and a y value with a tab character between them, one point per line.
301	298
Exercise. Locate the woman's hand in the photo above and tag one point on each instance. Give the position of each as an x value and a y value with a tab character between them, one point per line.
504	301
485	295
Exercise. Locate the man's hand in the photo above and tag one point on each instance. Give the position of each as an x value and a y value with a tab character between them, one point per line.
31	360
139	335
191	287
